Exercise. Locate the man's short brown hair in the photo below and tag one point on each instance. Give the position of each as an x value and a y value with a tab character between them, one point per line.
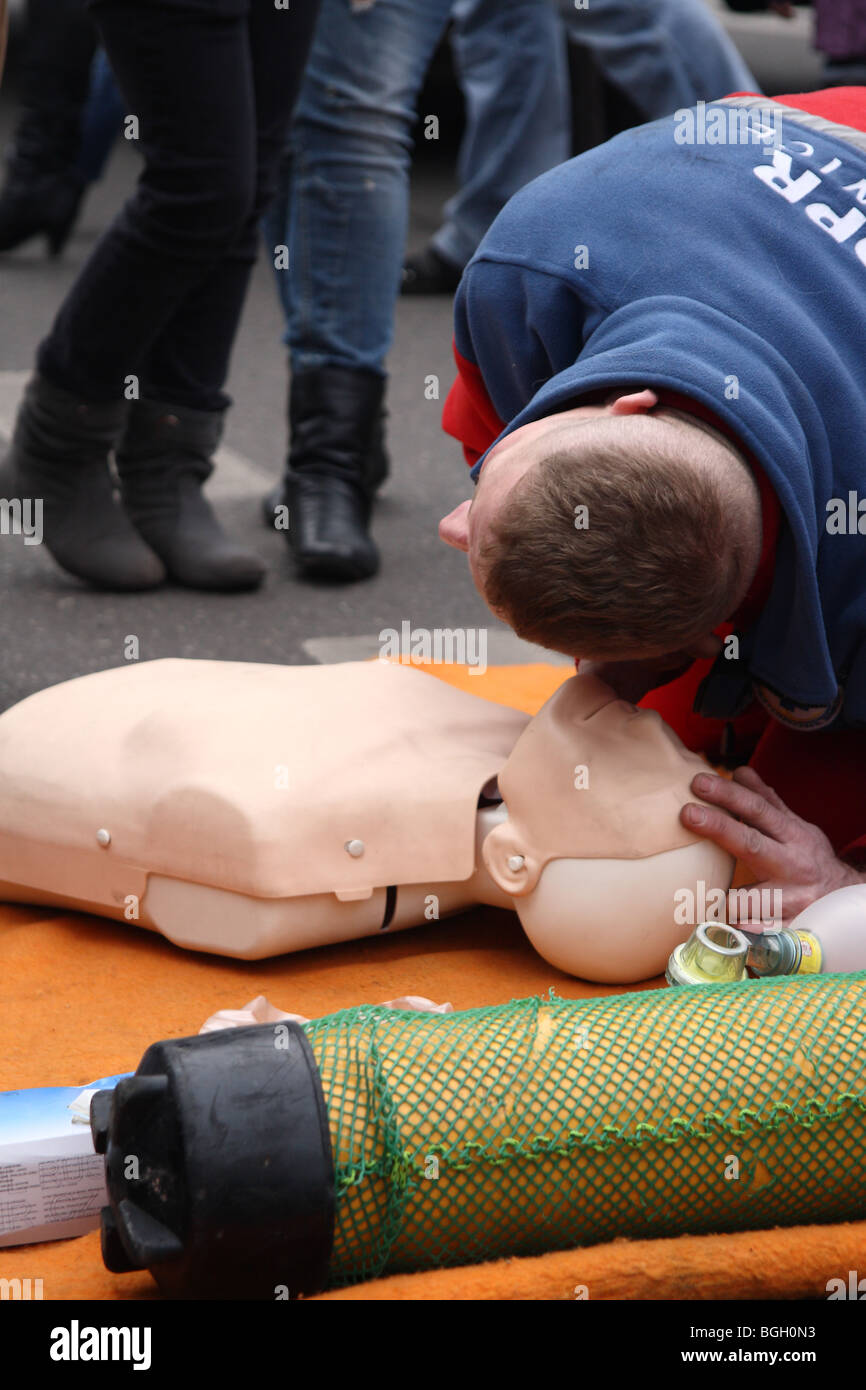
654	561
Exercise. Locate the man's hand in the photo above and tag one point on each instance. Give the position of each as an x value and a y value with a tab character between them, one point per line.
750	821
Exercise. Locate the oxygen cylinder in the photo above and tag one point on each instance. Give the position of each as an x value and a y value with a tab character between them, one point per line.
276	1160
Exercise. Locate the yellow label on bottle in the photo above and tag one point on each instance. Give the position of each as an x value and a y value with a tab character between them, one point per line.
810	946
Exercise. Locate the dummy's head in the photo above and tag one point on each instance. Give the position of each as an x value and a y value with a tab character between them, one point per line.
592	849
621	531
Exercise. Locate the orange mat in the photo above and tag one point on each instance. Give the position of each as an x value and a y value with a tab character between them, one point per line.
83	998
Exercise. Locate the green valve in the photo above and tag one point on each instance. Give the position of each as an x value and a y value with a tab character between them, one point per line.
714	954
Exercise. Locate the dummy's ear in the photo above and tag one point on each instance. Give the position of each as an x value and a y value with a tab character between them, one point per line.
636	403
500	852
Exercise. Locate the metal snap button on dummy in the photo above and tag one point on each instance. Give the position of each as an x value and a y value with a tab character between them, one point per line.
355	848
103	837
516	862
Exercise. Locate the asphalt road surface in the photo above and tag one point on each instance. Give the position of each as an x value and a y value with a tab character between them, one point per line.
52	628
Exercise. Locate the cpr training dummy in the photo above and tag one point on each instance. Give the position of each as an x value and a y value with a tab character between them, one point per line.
250	810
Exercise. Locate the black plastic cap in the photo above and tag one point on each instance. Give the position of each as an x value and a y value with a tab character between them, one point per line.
218	1166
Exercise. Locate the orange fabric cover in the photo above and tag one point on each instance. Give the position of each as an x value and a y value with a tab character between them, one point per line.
82	997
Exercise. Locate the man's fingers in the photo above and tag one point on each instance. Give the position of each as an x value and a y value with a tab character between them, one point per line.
742	801
748	777
767	906
743	841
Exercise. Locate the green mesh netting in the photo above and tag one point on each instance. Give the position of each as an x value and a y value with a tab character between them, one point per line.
545	1124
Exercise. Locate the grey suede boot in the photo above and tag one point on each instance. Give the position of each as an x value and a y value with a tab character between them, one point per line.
164	459
60	458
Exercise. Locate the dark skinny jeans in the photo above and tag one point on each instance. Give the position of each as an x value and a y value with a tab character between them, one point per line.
212	85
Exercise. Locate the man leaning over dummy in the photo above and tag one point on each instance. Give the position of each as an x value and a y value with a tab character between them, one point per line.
662	393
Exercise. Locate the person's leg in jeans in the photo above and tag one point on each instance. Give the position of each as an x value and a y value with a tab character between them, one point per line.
167	280
664	54
188	362
343	214
42	189
177	256
511	63
173	431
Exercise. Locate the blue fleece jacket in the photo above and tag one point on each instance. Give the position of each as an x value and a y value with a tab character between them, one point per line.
735	274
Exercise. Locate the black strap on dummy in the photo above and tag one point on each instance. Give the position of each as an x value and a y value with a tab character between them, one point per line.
390	906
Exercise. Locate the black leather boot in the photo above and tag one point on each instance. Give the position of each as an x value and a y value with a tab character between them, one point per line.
336	461
164	458
60	456
43	189
377	469
42	205
428	272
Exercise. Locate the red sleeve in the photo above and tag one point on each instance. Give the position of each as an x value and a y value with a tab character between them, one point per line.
468	414
845	105
855	853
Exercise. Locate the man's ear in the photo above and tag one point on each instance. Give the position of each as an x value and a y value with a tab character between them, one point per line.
500	852
637	403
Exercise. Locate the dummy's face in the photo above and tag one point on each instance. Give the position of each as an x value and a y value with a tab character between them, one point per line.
593	851
591	778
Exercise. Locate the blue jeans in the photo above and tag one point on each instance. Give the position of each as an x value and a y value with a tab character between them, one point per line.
512	68
343	203
664	54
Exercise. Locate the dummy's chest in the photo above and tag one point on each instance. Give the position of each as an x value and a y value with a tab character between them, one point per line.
265	780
